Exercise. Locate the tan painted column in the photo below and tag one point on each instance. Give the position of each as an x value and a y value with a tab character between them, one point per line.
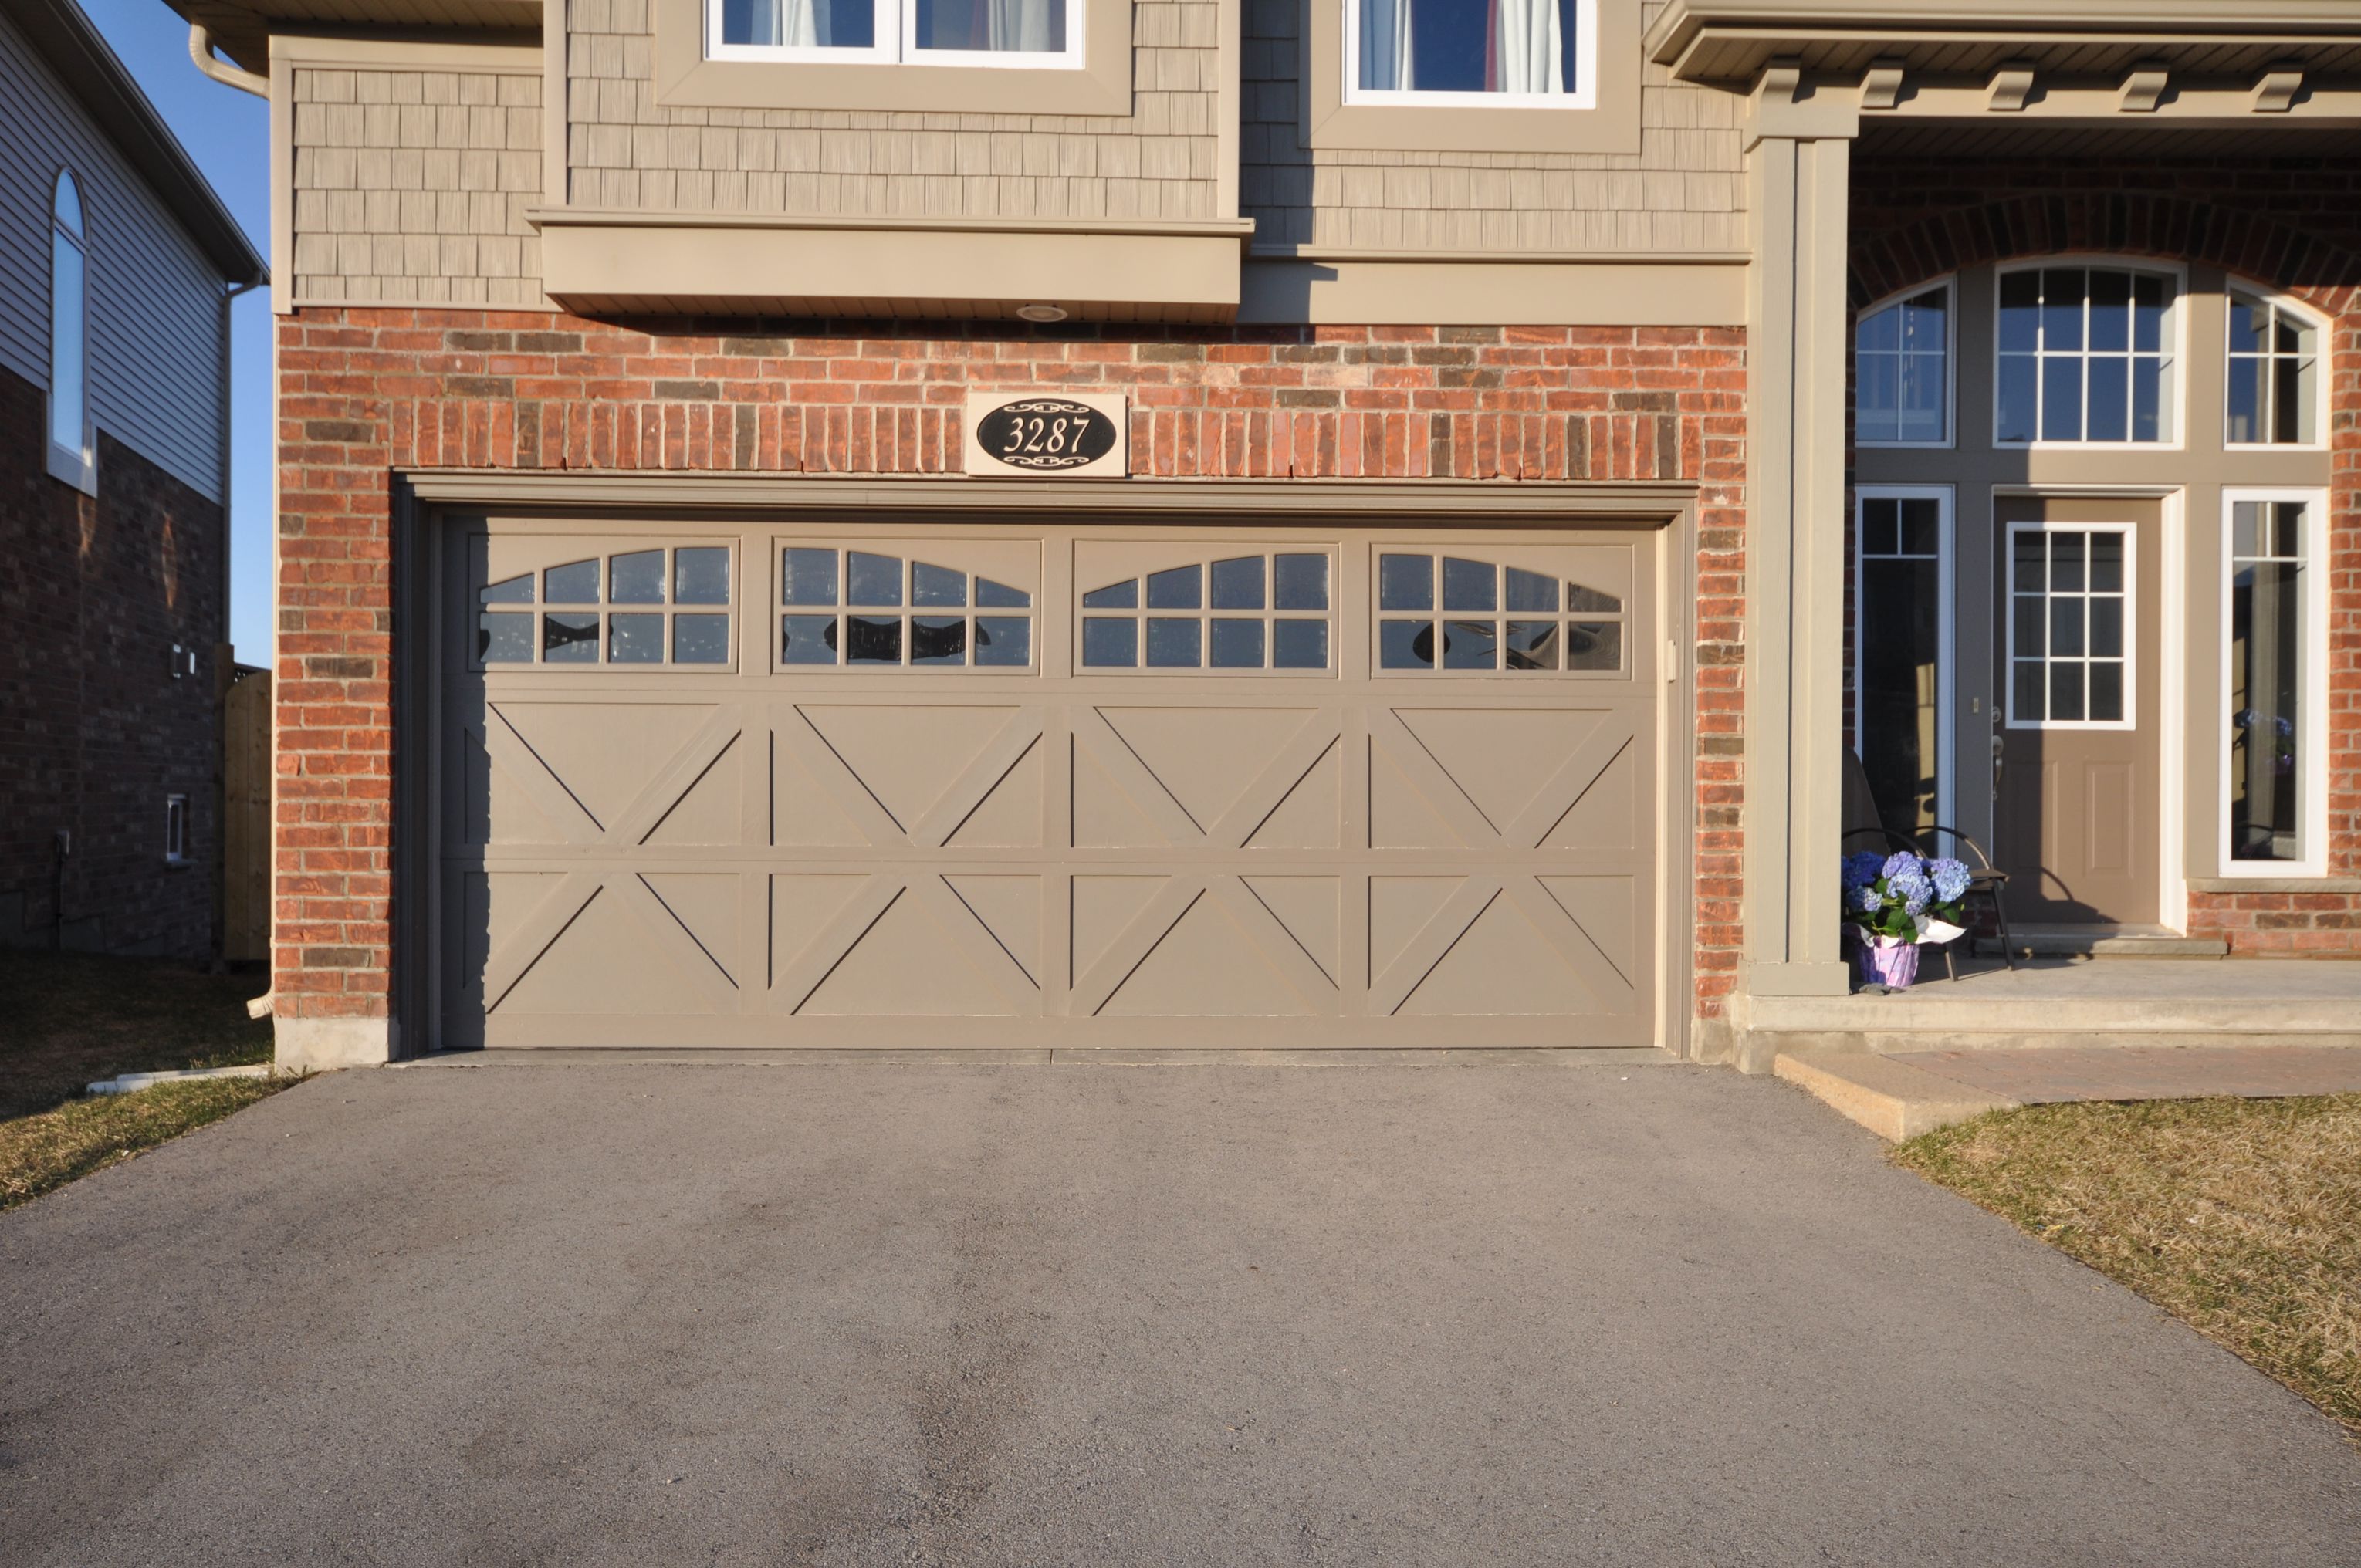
1798	162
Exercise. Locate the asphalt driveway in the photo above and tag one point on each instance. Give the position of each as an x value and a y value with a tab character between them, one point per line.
1097	1315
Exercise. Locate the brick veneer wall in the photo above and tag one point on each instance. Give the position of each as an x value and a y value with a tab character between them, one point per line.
2294	224
365	392
95	732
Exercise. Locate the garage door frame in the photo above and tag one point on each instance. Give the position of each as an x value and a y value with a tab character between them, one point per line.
427	503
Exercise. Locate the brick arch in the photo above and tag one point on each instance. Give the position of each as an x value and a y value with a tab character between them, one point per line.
2116	223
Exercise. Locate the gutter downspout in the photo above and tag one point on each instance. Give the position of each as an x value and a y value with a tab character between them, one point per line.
200	50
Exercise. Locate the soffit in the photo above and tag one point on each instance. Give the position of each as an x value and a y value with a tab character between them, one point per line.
242	28
1732	40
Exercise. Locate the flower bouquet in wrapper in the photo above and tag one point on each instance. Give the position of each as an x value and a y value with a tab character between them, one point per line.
1895	902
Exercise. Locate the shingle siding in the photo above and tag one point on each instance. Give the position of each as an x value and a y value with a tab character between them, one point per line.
411	185
625	150
1683	191
155	342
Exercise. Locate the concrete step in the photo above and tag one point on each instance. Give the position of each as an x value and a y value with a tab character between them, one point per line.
1892	1099
2104	942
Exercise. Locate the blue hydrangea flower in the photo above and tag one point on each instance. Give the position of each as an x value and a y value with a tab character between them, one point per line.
1861	868
1913	888
1951	879
1902	862
1864	898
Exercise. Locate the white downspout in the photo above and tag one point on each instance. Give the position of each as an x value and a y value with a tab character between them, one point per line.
200	50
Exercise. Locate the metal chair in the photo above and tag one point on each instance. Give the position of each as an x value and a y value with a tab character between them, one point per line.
1985	879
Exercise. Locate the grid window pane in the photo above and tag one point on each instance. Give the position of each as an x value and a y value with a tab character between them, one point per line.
939	640
570	638
636	578
700	639
1004	641
1406	582
504	638
1237	643
1299	645
1174	644
1238	584
1180	588
872	579
1114	596
937	585
806	639
1111	643
873	639
701	575
1301	582
635	639
807	577
575	583
1406	645
1470	645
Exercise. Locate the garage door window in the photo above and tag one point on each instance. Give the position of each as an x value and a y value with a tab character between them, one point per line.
860	609
1235	612
653	608
1450	613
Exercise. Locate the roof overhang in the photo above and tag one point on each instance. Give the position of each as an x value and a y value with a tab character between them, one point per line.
1733	41
74	49
242	28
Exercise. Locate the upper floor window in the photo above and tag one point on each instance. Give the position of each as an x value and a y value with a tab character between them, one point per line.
1034	33
1532	52
2274	374
69	387
2086	356
1902	372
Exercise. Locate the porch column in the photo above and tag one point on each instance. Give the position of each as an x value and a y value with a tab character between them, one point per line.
1798	165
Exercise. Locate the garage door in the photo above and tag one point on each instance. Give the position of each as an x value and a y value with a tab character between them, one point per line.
858	785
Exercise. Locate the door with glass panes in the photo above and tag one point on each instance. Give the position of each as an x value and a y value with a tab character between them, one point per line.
2076	759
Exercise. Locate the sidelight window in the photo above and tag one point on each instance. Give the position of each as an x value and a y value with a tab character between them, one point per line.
1534	53
2086	356
1454	613
864	610
1033	33
2273	770
1902	673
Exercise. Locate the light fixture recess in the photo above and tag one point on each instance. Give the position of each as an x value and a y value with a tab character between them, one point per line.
1042	313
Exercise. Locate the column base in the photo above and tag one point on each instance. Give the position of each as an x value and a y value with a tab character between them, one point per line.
325	1045
1825	978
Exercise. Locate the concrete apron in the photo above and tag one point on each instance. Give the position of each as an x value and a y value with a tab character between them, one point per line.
1900	1094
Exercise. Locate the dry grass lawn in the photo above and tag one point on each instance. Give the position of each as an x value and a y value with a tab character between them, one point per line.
69	1019
2240	1217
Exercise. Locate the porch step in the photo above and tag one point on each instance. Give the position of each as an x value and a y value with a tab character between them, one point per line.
2104	942
1892	1099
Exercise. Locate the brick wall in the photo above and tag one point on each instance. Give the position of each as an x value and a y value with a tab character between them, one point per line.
2293	223
94	593
365	392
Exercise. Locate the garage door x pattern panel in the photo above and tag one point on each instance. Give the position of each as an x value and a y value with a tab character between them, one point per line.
767	853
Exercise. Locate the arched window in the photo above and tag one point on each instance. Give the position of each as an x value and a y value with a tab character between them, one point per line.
69	283
1902	371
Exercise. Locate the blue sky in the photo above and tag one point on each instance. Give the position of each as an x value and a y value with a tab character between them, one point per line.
228	134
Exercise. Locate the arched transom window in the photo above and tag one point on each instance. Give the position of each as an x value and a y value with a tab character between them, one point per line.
1455	612
69	286
864	608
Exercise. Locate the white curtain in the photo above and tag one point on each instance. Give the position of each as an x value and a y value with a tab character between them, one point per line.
1020	25
796	24
1386	62
1530	57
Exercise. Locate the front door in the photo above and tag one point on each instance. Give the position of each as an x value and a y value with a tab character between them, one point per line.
2075	809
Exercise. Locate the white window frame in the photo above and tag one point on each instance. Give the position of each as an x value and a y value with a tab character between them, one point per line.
1946	624
2312	744
2174	408
1582	94
2324	361
897	21
1949	284
2008	695
77	466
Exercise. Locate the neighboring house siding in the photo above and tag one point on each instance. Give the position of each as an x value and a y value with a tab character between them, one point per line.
626	151
1683	191
155	301
411	186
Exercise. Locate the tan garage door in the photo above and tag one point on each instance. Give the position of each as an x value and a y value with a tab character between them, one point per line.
769	784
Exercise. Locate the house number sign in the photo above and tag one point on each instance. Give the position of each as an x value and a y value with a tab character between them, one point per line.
1047	434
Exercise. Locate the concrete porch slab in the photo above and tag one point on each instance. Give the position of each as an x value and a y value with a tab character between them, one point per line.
2064	1001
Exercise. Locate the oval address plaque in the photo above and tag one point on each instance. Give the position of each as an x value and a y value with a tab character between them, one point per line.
1043	434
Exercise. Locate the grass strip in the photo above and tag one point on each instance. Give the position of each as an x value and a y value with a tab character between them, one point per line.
2240	1217
43	1152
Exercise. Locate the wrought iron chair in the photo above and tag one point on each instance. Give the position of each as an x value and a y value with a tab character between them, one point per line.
1985	879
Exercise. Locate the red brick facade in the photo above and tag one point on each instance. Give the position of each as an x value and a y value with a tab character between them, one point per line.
365	394
94	594
2294	224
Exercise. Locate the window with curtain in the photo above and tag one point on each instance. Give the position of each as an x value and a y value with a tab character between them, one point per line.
2086	355
1902	372
69	286
1475	51
923	32
2274	374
